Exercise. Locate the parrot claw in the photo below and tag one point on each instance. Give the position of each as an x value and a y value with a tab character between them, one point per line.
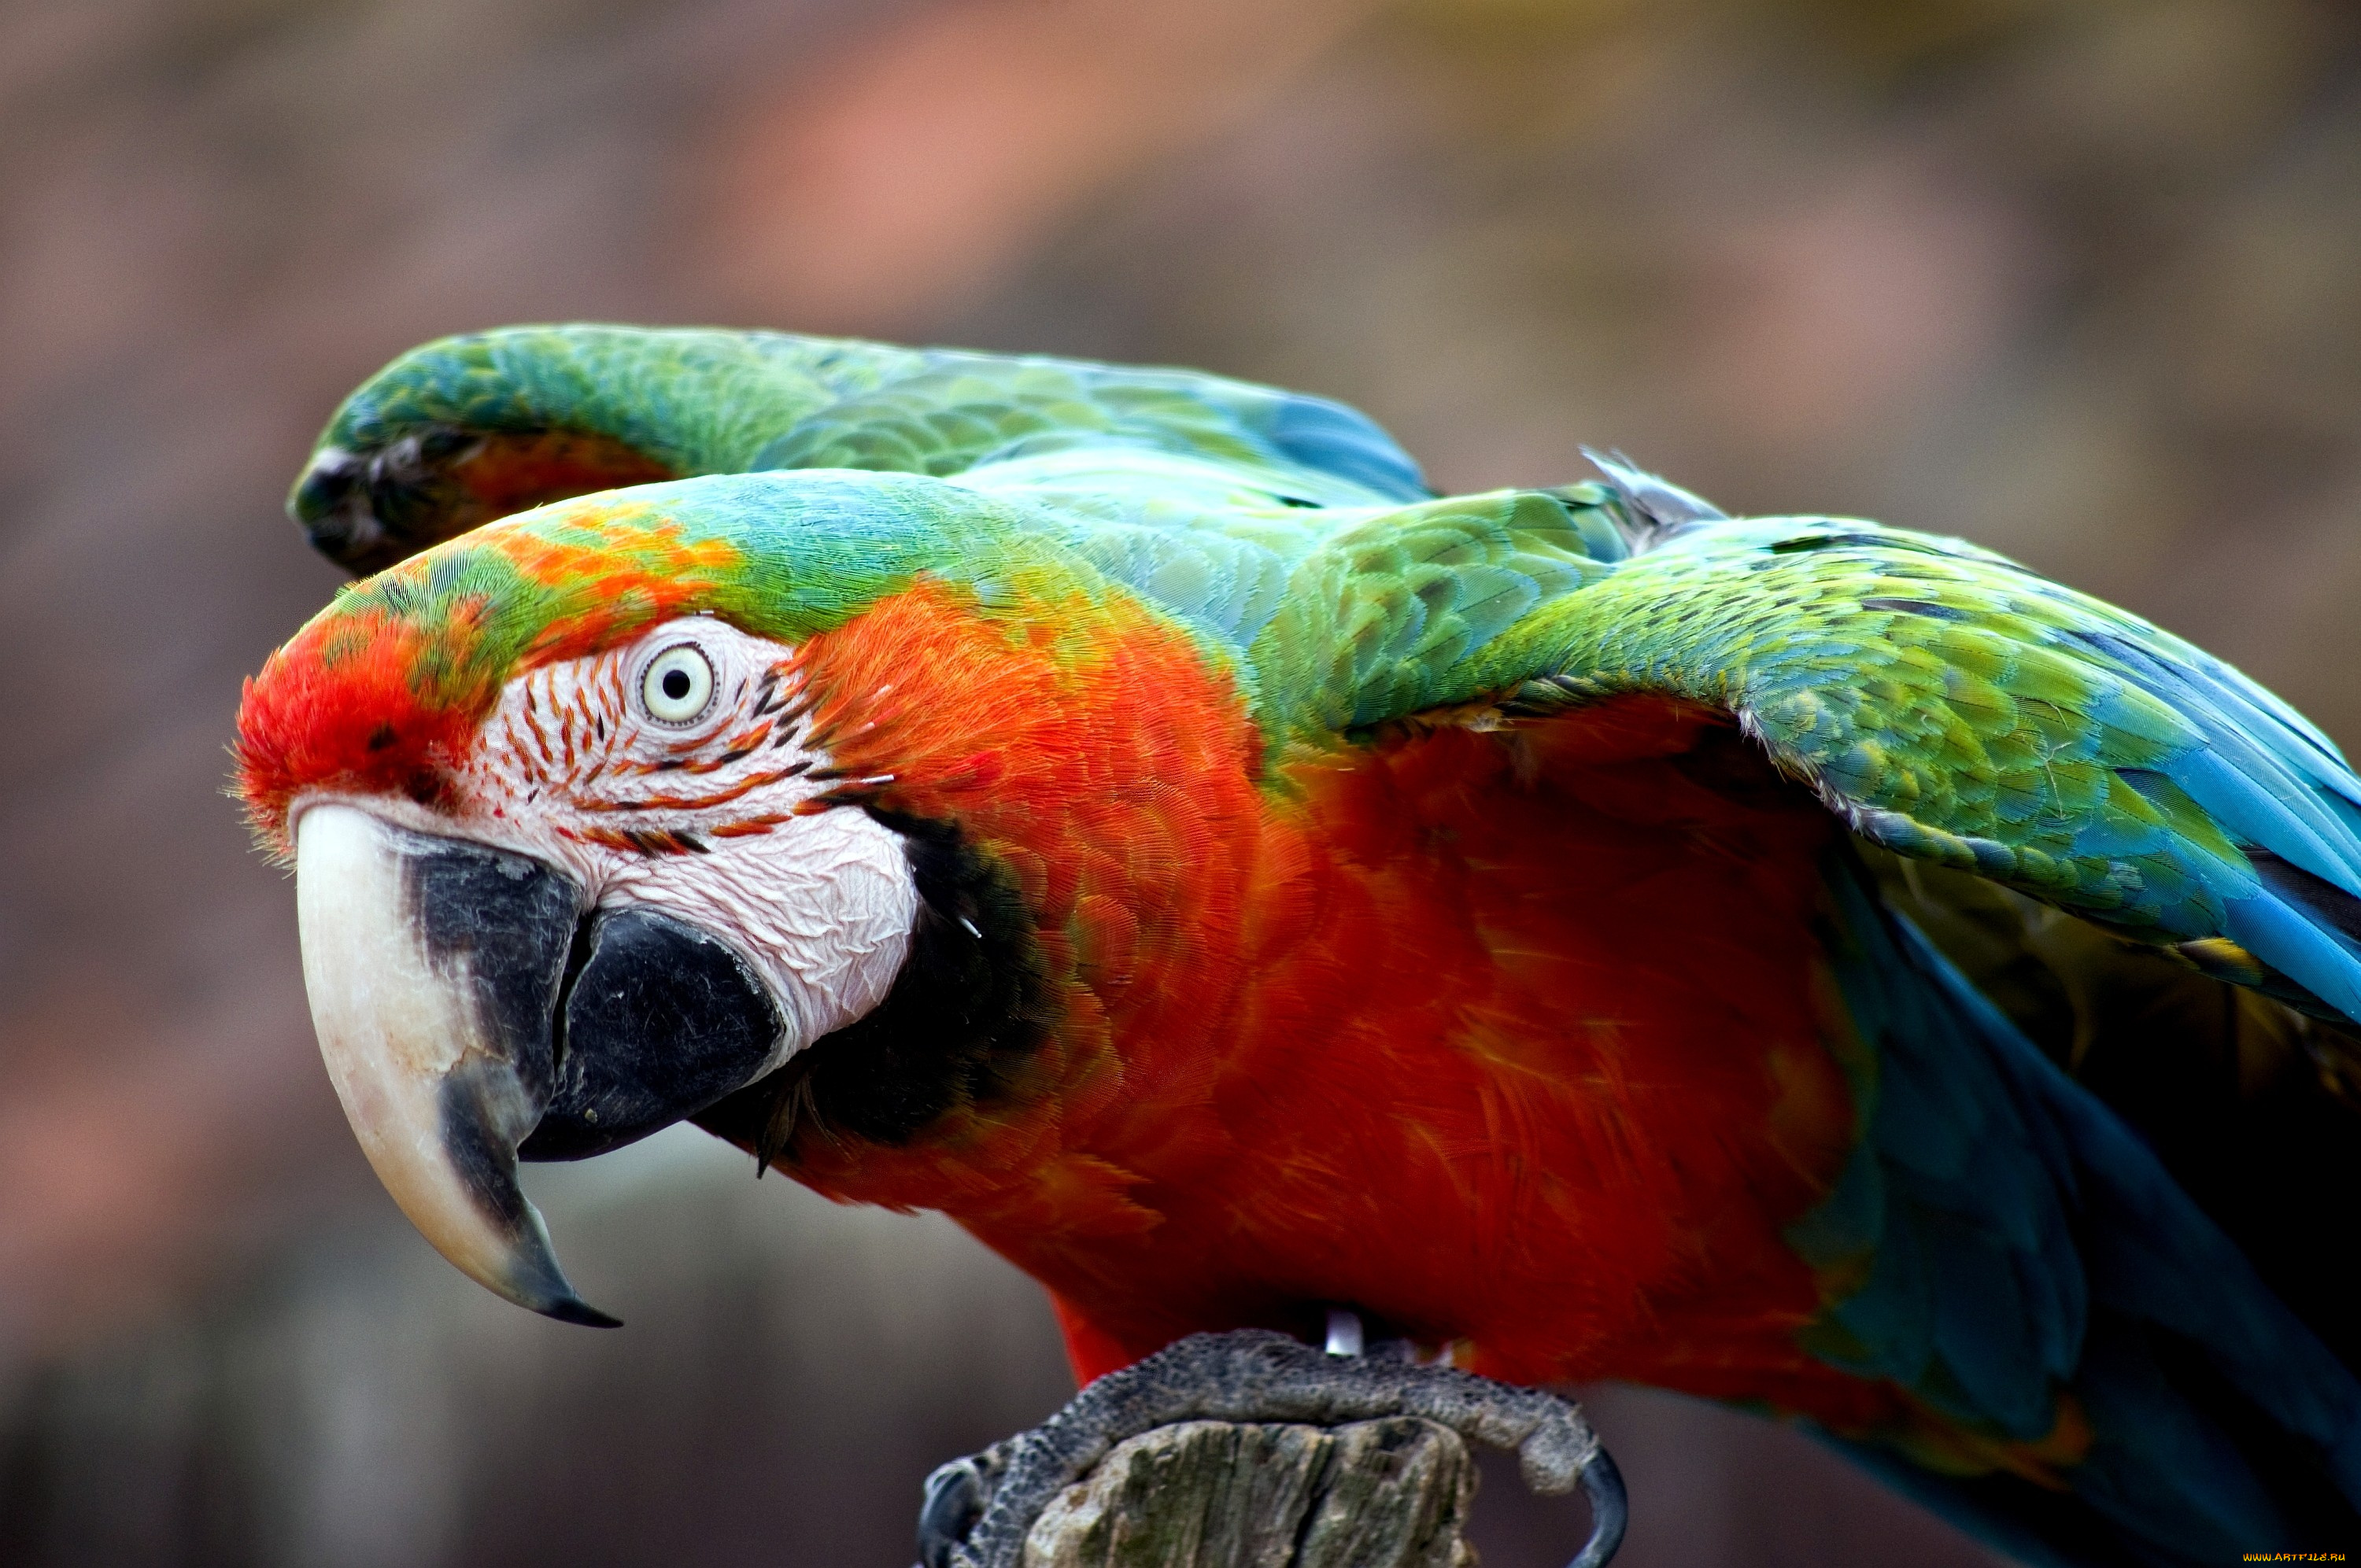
978	1510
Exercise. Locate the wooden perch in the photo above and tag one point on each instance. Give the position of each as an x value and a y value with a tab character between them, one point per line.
1248	1449
1382	1494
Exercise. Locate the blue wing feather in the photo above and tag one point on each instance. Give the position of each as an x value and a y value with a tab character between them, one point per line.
1335	439
2026	1244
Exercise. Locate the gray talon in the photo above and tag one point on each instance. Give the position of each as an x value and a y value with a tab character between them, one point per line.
978	1510
1611	1511
956	1495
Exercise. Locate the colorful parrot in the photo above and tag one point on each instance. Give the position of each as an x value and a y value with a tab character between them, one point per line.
1807	964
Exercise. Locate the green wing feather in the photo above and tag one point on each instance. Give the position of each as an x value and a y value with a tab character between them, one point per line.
1951	706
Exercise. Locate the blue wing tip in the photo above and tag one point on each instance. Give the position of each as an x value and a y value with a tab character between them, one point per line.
1334	438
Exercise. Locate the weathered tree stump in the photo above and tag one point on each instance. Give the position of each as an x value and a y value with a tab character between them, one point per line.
1381	1493
1249	1450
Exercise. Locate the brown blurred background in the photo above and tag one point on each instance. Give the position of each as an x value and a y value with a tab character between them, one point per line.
2080	279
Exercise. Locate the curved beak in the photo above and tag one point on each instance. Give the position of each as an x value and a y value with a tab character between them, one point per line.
468	1001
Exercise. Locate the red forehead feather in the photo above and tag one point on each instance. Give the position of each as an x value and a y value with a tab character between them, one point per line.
382	693
335	709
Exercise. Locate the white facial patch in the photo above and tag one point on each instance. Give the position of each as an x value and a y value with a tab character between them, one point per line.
714	818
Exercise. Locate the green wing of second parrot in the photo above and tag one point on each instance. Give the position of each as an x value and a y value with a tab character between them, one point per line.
466	429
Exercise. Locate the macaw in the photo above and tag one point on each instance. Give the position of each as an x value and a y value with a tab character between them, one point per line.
1804	964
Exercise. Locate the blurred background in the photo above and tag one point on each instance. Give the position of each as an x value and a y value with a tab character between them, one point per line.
2079	279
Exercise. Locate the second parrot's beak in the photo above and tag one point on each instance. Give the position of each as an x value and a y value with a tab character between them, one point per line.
471	1008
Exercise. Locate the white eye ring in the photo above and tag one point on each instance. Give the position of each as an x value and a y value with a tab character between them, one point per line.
677	685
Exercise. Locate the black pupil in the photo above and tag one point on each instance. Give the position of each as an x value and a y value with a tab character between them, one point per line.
676	683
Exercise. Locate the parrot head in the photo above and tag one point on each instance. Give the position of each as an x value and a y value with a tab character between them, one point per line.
601	813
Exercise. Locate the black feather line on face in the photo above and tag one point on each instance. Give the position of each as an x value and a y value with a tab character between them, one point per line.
969	1008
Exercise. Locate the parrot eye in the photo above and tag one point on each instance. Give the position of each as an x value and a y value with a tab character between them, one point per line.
677	686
